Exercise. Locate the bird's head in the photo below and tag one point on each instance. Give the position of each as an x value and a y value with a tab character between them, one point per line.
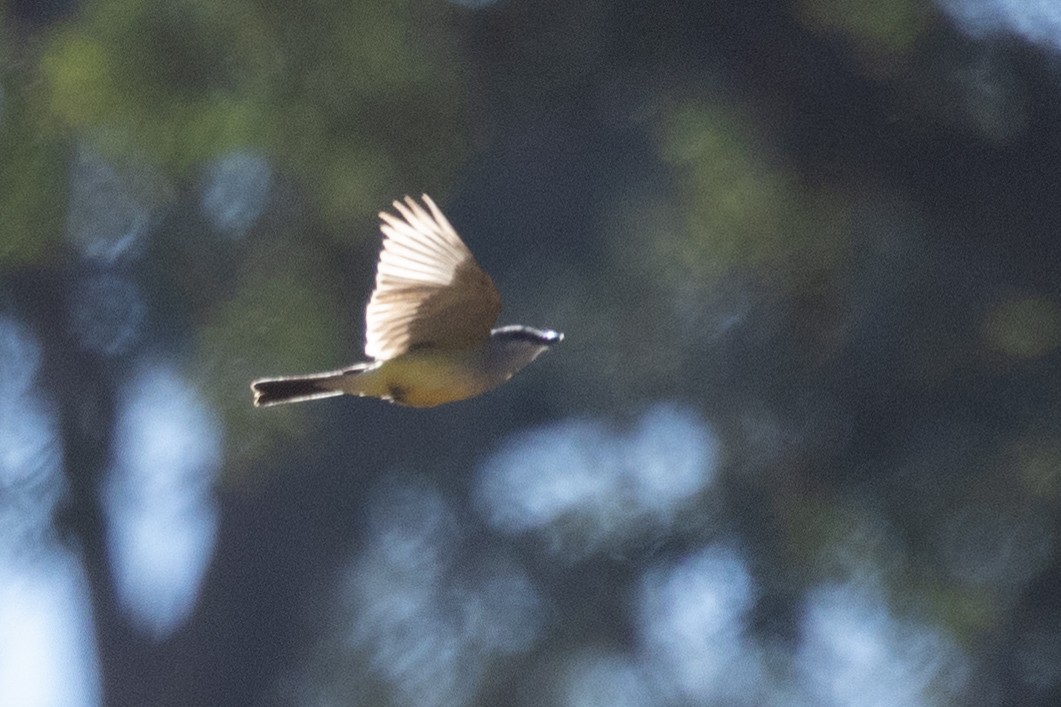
519	345
518	335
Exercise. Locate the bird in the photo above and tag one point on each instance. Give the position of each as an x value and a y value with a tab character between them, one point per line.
429	324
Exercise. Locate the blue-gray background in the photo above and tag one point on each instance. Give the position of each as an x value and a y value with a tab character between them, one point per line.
802	444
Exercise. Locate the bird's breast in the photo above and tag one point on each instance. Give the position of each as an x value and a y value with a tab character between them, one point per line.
430	377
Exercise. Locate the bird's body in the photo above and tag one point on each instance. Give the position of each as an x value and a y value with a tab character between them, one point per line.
428	325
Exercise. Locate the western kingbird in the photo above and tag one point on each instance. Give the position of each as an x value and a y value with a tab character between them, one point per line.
428	324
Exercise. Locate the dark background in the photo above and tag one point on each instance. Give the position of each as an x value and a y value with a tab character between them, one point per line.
800	446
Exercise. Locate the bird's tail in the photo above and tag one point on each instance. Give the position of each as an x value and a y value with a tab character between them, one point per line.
296	389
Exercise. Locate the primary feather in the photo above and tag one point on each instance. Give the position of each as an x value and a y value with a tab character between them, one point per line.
429	289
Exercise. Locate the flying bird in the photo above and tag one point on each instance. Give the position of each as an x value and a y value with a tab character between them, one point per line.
429	325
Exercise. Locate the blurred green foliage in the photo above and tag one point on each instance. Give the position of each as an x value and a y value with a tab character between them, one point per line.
881	33
880	399
32	178
285	316
355	99
1023	327
354	103
1037	462
742	210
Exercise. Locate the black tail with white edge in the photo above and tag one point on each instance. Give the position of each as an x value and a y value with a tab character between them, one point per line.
276	391
297	389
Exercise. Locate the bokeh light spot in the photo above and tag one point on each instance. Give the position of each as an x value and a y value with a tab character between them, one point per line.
594	678
161	514
997	548
853	651
1036	21
49	655
429	617
234	192
692	623
107	314
581	486
31	481
109	212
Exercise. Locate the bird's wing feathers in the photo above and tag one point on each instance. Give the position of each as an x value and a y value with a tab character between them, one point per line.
429	289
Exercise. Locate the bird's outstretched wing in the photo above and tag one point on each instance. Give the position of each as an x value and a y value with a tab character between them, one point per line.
429	289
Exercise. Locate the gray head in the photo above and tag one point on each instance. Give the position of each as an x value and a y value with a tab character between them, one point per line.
513	347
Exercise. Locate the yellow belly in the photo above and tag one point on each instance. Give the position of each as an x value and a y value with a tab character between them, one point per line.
426	378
